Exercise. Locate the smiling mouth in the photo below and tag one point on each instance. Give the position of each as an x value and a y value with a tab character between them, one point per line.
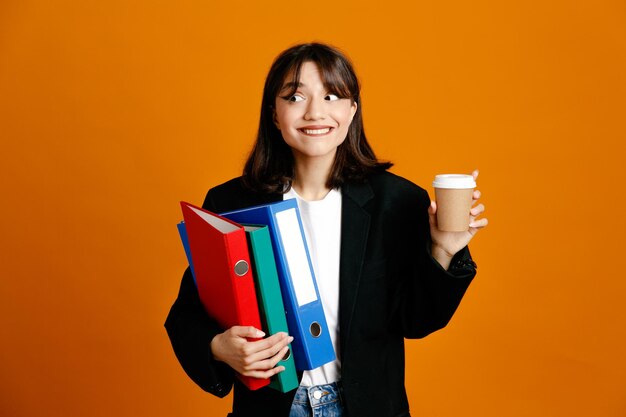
316	132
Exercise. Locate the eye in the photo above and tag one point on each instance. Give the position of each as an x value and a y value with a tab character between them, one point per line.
331	97
294	99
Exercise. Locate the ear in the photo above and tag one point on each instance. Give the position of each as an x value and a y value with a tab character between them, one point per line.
274	118
353	109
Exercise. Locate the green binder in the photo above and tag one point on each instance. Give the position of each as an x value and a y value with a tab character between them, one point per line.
270	300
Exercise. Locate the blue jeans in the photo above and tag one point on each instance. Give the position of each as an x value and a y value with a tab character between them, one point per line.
318	401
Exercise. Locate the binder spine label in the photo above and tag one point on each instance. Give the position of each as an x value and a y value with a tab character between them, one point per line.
295	252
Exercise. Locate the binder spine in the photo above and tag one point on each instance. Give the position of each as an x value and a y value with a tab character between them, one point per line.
243	282
302	309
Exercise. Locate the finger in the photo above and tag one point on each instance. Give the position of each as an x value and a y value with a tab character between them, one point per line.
283	355
263	374
247	331
262	350
268	363
476	211
478	224
476	195
265	344
432	213
475	174
264	360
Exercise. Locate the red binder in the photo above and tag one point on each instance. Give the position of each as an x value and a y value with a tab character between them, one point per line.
221	261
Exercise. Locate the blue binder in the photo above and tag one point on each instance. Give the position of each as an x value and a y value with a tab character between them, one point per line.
182	231
312	346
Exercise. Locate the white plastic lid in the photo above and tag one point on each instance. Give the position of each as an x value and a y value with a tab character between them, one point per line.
454	181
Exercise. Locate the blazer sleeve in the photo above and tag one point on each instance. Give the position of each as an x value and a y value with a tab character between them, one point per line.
191	330
429	295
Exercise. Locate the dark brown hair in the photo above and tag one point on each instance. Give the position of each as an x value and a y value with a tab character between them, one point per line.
269	167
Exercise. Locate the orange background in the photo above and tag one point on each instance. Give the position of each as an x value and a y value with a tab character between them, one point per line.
111	112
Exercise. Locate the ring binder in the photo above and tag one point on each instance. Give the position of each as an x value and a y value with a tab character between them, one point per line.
297	280
220	261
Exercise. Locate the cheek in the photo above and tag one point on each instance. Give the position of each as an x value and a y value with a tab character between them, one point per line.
284	117
348	113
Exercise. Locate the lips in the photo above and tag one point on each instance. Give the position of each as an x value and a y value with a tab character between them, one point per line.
316	130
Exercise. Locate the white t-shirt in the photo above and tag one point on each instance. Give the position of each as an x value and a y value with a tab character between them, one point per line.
321	220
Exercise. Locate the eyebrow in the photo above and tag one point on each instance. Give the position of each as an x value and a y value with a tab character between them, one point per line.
292	86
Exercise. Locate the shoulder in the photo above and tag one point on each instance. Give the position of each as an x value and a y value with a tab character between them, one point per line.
386	193
396	206
230	186
395	188
232	195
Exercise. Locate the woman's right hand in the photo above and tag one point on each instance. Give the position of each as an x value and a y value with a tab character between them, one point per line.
255	359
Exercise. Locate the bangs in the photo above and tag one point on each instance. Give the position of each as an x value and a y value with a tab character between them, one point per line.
338	79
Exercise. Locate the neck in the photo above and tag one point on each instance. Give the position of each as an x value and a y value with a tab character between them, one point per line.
311	178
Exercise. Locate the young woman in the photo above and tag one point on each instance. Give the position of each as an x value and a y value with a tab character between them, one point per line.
384	270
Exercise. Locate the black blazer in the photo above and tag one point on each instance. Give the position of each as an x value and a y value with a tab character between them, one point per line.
390	289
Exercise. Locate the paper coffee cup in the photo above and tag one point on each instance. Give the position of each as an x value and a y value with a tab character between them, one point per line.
453	193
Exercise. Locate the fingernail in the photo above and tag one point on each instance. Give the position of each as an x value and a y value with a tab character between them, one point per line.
290	339
259	333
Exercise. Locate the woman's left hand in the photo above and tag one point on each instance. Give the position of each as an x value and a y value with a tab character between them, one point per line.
446	244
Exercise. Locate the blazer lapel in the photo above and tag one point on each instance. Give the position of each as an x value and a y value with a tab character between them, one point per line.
355	222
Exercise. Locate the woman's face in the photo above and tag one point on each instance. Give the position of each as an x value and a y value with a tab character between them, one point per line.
313	121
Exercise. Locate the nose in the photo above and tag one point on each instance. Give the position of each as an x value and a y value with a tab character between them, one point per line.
315	109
